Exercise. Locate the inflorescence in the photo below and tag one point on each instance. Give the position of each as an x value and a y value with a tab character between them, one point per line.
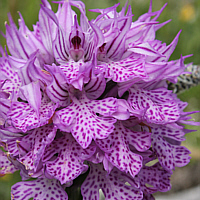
85	104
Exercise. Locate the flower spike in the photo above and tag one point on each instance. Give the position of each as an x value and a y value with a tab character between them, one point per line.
85	105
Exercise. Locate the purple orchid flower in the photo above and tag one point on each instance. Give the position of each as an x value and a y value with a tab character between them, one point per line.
84	105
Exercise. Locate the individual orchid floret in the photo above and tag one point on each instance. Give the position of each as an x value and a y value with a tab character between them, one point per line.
161	107
71	42
87	119
113	185
69	163
124	70
116	148
38	189
154	178
169	155
37	140
37	112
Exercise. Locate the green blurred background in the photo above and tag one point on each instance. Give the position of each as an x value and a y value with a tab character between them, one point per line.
185	15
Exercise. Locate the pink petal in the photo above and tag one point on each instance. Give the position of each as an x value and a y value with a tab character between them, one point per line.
38	189
113	185
81	119
69	163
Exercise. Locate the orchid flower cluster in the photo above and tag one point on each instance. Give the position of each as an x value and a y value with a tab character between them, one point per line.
84	105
